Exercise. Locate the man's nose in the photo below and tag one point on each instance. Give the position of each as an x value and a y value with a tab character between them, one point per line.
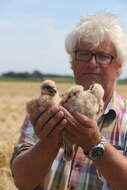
93	62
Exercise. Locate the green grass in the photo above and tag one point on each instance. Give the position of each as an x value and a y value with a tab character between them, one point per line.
7	79
60	79
56	79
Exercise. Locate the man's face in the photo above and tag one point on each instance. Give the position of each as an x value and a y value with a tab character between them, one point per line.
89	72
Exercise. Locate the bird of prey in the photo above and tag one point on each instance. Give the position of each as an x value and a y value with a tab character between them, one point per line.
88	102
49	97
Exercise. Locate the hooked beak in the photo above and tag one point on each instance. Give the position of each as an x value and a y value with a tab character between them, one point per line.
52	90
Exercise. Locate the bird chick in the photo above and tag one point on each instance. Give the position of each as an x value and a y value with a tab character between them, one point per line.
49	97
69	97
88	102
93	101
97	90
68	101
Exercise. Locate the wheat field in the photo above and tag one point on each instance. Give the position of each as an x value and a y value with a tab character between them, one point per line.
13	96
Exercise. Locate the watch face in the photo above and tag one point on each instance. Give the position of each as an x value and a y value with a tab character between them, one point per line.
97	153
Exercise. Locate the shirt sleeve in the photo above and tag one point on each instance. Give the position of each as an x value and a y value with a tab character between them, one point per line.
27	134
26	140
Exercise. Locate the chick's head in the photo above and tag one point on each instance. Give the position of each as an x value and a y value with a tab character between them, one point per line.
48	87
71	93
75	90
97	90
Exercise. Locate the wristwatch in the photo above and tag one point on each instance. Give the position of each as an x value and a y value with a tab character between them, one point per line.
97	151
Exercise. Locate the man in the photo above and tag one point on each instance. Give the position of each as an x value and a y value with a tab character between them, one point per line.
97	46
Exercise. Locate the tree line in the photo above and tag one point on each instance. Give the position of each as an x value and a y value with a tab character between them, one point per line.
33	75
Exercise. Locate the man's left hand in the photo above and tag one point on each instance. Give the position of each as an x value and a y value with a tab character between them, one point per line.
81	130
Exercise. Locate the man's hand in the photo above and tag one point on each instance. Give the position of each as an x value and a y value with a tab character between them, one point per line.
48	125
81	130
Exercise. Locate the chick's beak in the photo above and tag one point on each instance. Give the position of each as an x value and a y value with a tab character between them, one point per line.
52	90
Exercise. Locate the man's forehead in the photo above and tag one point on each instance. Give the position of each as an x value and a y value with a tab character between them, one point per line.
106	46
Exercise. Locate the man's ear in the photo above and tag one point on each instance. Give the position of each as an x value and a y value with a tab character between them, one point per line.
71	63
119	70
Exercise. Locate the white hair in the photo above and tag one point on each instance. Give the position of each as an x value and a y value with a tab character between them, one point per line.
96	28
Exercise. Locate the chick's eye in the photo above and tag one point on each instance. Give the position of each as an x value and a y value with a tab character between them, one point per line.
91	87
46	87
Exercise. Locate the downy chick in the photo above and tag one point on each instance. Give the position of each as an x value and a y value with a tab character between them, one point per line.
88	102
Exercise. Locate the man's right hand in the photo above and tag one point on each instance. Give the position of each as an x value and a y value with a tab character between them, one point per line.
48	125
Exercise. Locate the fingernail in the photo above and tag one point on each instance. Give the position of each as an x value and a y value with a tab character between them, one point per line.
64	121
60	114
60	107
54	109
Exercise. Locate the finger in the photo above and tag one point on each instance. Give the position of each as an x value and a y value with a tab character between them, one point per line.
71	120
59	128
75	118
55	120
51	124
76	123
67	114
40	122
36	113
83	119
44	118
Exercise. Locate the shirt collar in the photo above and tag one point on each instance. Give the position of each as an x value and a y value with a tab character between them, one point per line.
111	111
113	105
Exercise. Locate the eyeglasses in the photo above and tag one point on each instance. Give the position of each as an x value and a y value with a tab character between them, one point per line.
100	57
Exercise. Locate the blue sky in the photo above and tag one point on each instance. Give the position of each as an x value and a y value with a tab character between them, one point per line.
32	32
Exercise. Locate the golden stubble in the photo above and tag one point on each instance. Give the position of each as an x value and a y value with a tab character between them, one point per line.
13	97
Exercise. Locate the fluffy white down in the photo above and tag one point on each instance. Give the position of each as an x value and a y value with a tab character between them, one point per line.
88	102
45	100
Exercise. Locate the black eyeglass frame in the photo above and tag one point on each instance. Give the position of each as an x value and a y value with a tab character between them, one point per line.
95	55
